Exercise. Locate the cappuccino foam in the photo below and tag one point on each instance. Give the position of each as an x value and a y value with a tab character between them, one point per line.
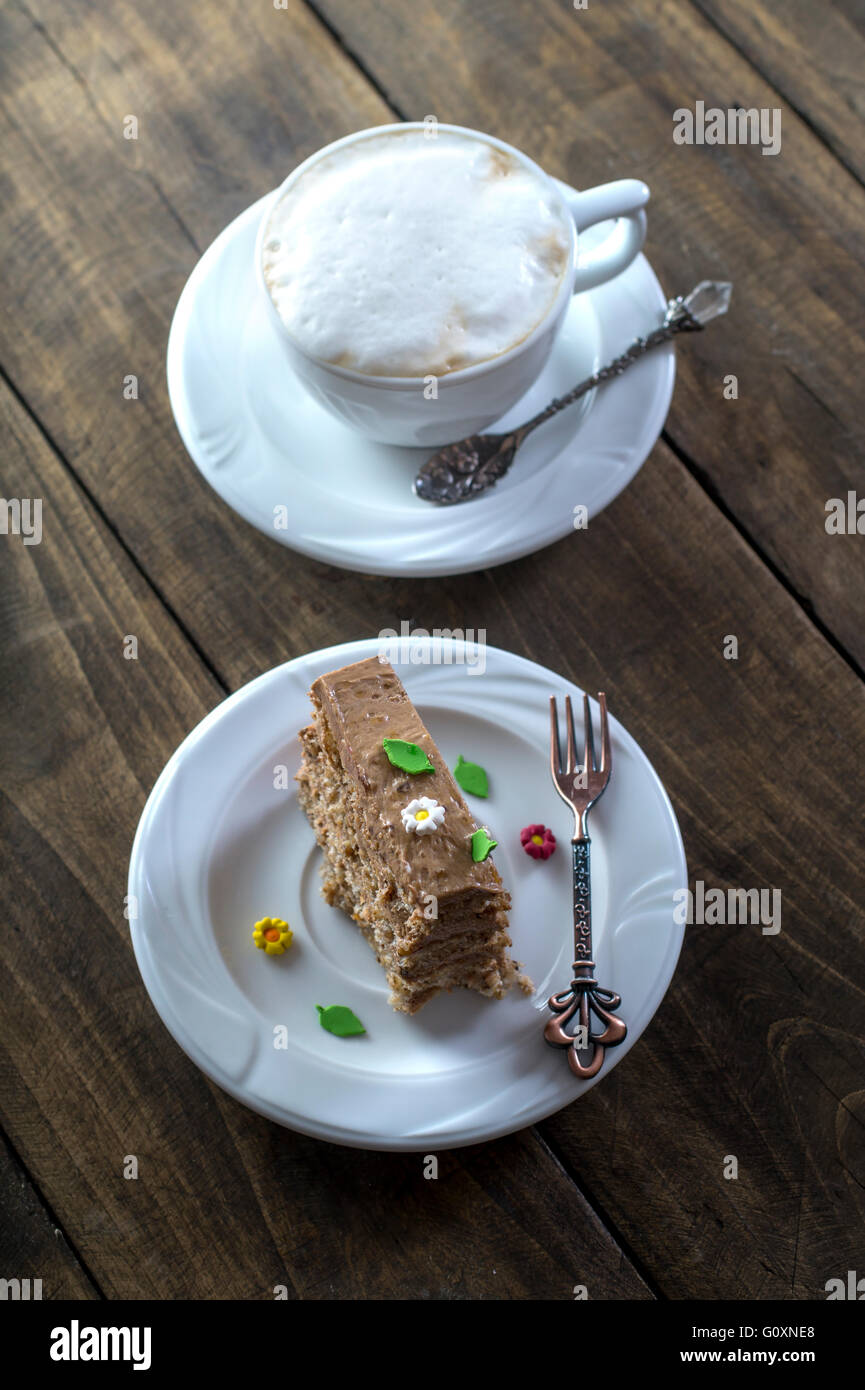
403	255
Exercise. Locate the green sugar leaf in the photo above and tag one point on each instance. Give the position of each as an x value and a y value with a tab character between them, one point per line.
408	757
338	1019
471	777
482	844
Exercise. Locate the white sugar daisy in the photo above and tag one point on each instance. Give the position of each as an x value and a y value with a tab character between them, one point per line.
422	816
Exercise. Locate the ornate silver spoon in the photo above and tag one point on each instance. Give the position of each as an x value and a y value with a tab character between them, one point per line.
464	470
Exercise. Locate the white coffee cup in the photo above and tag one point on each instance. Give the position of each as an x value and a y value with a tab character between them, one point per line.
401	410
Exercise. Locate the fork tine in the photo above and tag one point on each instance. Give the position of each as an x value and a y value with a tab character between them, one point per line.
590	739
572	742
606	749
555	751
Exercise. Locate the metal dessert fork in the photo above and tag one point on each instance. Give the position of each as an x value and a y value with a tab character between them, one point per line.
580	786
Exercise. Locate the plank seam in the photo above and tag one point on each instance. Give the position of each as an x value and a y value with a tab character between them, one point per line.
609	1225
49	1213
697	473
702	479
82	82
355	58
776	87
113	531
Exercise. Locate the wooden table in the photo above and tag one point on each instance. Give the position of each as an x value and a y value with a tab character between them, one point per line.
757	1051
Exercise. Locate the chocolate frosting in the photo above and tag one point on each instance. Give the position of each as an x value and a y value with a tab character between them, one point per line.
363	704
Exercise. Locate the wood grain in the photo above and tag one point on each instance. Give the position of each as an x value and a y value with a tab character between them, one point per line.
94	304
224	1205
757	1051
774	456
687	1107
591	95
32	1247
814	57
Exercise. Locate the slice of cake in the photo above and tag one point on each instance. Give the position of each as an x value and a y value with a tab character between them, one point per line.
398	843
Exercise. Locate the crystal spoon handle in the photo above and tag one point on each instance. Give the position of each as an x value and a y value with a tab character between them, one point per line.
685	314
462	471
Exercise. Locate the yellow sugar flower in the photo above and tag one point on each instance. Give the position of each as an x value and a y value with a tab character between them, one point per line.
272	935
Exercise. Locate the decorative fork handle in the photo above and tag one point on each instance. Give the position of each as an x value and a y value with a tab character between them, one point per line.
585	996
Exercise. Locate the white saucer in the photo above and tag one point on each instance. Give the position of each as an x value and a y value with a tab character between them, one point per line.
220	846
285	464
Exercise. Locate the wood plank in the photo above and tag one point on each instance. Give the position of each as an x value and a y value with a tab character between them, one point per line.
33	1249
735	744
813	55
757	1051
86	308
591	95
107	1082
661	561
95	303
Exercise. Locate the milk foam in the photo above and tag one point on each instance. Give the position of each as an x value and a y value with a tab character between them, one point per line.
402	255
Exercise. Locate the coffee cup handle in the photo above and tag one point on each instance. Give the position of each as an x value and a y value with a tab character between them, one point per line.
625	200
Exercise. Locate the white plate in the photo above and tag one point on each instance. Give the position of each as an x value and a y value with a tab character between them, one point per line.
285	464
220	846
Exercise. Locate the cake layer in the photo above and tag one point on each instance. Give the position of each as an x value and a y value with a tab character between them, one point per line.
434	917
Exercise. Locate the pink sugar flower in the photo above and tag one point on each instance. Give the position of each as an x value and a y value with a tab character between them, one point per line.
537	841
